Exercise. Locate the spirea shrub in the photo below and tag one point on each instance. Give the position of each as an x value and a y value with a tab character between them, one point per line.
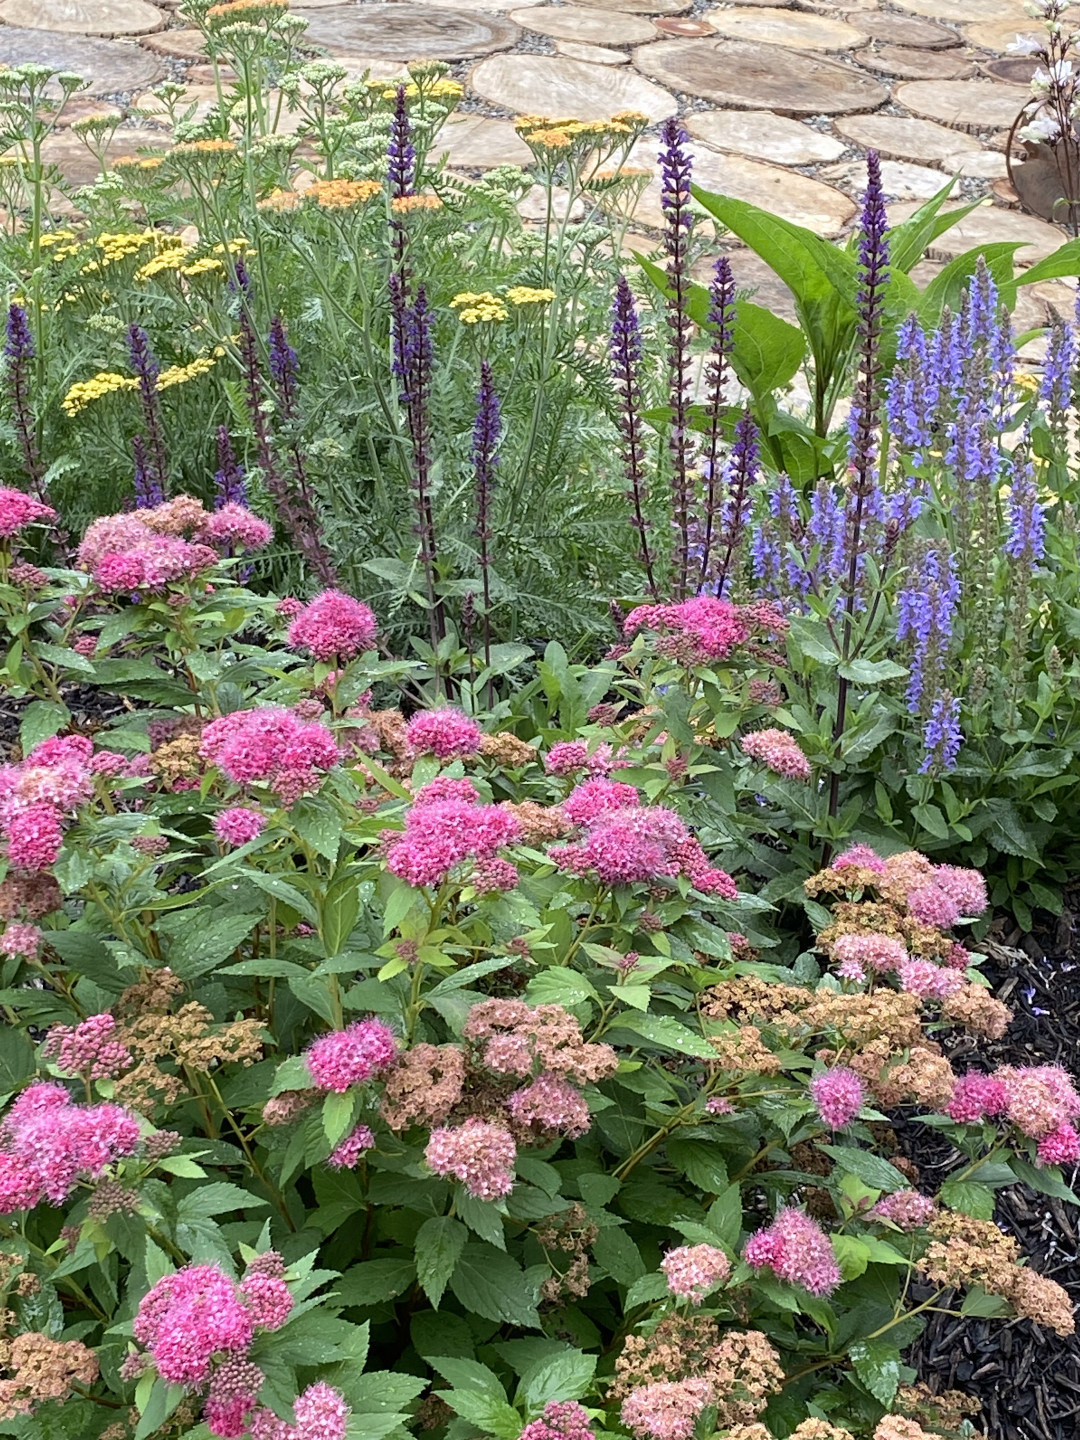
368	1074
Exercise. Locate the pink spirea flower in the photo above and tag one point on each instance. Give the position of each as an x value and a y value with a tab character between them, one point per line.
17	510
21	939
290	607
667	1409
933	906
719	1105
693	1270
797	1250
238	825
1060	1146
560	1420
227	1418
965	888
187	1317
906	1209
927	980
348	1057
447	787
549	1106
334	626
234	1389
34	836
479	1154
862	856
152	563
492	875
321	1413
976	1096
777	751
958	958
53	1143
871	951
447	733
838	1095
235	527
108	762
566	756
588	801
1038	1098
440	835
345	1155
272	746
20	1184
641	844
88	1048
697	630
268	1298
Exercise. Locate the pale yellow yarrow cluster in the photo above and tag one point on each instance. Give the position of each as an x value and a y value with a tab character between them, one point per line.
60	243
108	382
408	204
473	307
526	295
119	246
437	90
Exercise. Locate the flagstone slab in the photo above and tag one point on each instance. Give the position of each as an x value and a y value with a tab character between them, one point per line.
81	107
998	35
639	7
580	22
893	29
964	104
476	143
755	77
901	137
899	178
760	135
986	225
1013	69
185	44
786	193
591	54
106	18
470	4
907	63
111	66
794	29
980	165
402	30
964	11
554	85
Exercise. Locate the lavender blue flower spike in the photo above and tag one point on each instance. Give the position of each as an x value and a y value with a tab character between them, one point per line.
942	736
675	173
624	352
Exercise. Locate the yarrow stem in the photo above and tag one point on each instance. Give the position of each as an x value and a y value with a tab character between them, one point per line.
625	356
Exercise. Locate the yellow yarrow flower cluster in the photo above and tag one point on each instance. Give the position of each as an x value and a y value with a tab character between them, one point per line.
118	247
236	11
180	374
108	382
342	194
407	204
526	295
473	308
60	243
437	90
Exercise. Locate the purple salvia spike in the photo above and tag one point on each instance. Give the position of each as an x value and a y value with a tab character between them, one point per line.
624	351
148	492
400	151
942	736
741	473
721	320
19	353
144	364
675	173
230	486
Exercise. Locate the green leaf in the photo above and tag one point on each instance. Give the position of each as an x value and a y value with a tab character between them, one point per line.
871	672
490	1284
725	1216
871	1169
215	1199
1044	1180
484	1217
17	1062
340	909
667	1033
42	719
877	1364
615	1252
978	1302
159	1402
493	1417
373	1281
318	824
851	1255
205	938
337	1114
438	1246
560	1377
701	1162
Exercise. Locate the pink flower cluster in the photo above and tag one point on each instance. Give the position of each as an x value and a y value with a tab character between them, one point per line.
1041	1101
479	1154
797	1250
349	1057
839	1096
21	939
561	1420
148	549
321	1414
239	825
38	794
88	1049
704	629
548	1107
190	1317
634	843
440	835
345	1155
777	751
906	1209
17	510
861	856
667	1409
446	733
47	1144
334	627
928	980
871	951
593	798
566	756
271	746
693	1270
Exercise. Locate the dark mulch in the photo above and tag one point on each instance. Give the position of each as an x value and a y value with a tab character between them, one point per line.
90	708
1027	1379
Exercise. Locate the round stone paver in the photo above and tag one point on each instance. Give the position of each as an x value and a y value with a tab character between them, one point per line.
591	54
786	193
907	63
109	65
756	77
964	104
998	35
893	29
401	30
989	224
473	142
553	85
964	11
640	7
900	179
107	18
592	27
793	29
180	44
980	164
897	137
760	135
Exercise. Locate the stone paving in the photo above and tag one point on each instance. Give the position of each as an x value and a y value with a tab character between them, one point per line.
782	98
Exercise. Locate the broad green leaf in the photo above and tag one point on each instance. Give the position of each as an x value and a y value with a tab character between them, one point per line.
871	1169
871	672
615	1252
877	1364
373	1281
42	719
437	1247
206	937
667	1033
216	1199
490	1284
701	1162
560	1377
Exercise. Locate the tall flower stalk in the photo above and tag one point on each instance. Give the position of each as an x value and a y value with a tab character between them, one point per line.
487	430
741	473
625	357
144	364
721	320
230	483
19	354
148	492
675	173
